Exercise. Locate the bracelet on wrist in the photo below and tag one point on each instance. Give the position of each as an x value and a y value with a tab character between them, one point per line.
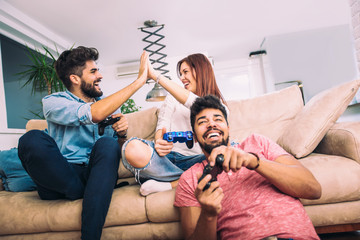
257	159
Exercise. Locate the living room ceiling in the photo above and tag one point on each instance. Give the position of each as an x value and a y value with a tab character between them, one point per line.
226	30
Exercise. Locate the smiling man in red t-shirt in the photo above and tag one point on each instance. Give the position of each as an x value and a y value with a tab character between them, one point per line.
256	194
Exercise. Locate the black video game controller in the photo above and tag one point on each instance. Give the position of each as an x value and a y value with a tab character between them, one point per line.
185	136
106	122
214	171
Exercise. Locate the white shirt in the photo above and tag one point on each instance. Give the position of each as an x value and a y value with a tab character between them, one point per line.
174	116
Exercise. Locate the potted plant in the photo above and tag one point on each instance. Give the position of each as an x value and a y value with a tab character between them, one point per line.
41	73
129	106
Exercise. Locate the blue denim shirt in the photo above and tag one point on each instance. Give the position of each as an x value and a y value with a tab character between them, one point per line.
70	125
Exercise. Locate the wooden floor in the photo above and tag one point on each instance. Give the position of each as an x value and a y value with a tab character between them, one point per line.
341	236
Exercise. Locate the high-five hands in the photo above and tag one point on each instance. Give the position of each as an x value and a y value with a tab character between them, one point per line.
146	69
162	146
152	73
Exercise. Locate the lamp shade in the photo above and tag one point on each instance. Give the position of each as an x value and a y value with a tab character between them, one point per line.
156	94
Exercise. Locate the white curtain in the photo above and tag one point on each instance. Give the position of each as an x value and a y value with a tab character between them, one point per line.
260	78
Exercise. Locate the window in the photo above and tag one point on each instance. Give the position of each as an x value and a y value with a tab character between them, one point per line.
20	104
233	79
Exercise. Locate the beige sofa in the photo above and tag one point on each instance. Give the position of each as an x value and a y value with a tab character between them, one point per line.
330	150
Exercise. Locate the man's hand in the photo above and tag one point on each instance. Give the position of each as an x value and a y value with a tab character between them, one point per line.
120	126
152	73
162	146
234	158
210	199
143	70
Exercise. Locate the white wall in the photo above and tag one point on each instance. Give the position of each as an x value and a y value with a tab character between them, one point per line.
110	84
9	140
320	58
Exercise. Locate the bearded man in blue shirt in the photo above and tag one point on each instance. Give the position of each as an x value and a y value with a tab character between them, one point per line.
72	160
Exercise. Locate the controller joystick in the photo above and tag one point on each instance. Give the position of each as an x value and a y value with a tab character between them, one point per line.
185	136
106	122
214	171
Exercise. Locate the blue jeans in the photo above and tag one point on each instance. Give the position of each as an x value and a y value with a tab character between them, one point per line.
165	169
56	178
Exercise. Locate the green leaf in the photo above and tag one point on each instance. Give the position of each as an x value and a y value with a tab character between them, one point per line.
41	72
129	106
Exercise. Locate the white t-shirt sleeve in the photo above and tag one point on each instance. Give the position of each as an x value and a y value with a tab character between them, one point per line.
191	99
165	114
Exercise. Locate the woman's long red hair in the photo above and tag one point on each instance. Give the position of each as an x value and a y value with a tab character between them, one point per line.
205	77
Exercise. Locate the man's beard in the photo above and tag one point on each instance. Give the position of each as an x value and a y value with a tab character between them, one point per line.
209	147
89	90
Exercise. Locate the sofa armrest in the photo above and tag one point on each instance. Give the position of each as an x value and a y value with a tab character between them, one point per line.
39	124
342	139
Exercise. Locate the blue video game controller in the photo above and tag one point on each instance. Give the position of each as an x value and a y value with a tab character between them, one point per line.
182	136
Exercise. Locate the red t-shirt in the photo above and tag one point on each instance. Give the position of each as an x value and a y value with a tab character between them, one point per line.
252	207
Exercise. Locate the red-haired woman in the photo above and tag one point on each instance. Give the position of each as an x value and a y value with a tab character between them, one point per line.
158	164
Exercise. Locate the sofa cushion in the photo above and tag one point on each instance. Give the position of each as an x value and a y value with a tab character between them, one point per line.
167	230
13	175
305	132
332	214
338	177
123	172
142	124
160	207
26	213
267	115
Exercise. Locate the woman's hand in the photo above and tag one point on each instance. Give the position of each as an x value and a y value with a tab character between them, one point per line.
162	146
152	73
